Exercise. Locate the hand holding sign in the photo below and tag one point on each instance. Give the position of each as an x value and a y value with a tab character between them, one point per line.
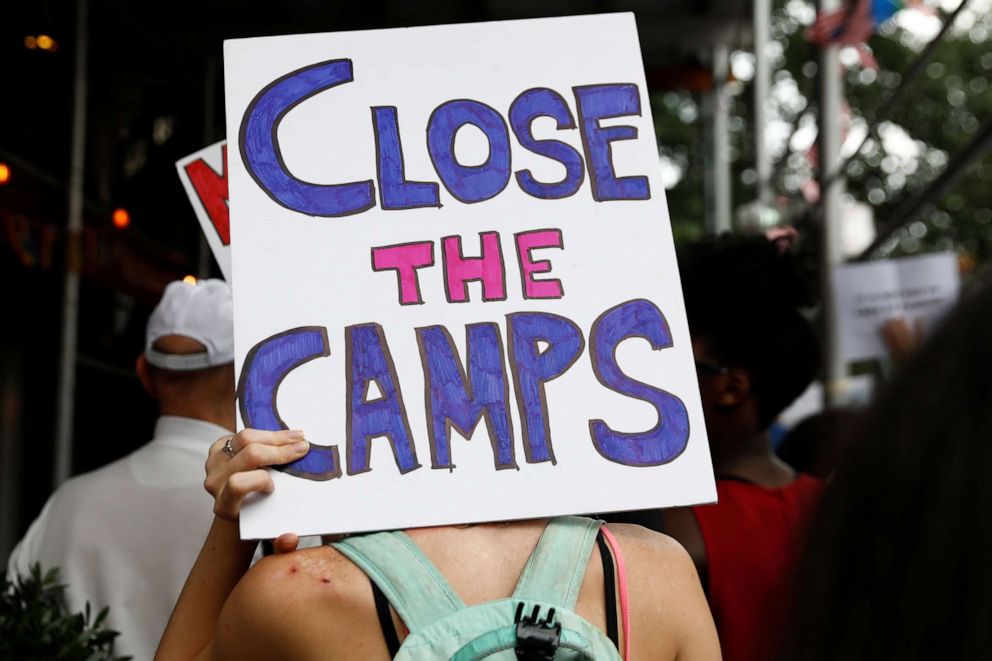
234	463
917	290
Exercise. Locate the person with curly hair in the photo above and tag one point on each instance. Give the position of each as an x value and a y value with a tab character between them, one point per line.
755	354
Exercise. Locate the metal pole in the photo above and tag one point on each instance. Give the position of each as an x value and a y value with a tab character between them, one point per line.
204	256
832	193
716	111
11	444
70	300
762	85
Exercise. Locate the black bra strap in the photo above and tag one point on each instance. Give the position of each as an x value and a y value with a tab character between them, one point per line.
609	589
385	620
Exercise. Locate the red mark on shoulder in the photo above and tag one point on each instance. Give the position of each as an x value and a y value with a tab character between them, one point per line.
294	569
325	580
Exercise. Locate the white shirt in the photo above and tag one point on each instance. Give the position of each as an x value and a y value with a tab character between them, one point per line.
126	535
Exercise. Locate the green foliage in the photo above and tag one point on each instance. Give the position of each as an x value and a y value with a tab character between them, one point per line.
678	126
941	112
35	625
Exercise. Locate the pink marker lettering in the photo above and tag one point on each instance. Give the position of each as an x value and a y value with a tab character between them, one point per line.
405	259
488	269
527	241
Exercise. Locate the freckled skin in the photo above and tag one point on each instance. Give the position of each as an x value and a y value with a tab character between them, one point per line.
331	615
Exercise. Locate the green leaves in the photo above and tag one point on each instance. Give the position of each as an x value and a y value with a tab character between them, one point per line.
34	623
940	113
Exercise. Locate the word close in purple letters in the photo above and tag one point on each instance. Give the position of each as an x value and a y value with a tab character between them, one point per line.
259	144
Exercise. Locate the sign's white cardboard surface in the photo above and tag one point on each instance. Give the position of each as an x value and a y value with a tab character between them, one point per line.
351	318
870	293
204	177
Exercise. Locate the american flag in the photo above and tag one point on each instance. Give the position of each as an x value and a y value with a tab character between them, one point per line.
854	23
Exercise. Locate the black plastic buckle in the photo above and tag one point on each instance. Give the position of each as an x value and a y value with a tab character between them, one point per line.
537	639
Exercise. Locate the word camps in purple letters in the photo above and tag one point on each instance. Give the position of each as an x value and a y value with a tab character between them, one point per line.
458	393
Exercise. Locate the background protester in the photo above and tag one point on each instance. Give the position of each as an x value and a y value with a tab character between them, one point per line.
755	354
898	566
816	443
316	604
126	535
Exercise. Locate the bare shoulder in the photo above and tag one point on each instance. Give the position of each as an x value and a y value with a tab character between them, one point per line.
640	544
667	602
681	523
301	605
657	562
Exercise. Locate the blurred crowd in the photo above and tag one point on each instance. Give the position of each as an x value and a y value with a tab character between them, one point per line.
863	535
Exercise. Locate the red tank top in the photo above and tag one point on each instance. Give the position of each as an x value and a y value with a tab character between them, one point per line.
753	537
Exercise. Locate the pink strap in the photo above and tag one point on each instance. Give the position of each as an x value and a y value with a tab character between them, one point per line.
622	583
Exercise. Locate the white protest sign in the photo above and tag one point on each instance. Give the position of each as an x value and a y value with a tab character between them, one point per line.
204	177
450	233
870	293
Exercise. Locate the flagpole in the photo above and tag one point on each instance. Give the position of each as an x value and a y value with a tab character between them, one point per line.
762	85
204	256
717	137
831	83
70	300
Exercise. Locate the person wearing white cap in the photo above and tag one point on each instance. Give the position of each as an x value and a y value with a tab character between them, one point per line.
126	535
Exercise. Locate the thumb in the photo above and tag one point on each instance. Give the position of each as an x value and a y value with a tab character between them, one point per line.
286	543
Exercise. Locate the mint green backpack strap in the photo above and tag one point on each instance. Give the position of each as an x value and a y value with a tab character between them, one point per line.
505	638
411	582
554	572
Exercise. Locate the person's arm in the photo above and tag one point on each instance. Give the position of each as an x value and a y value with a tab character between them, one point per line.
222	562
224	558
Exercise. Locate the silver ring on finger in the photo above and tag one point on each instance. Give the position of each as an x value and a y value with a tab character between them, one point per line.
228	448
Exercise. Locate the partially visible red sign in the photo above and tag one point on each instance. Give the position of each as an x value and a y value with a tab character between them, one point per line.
204	176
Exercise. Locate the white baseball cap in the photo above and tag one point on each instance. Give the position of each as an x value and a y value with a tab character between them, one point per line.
202	311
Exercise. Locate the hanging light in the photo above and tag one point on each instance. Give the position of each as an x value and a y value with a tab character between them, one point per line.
41	42
4	174
121	218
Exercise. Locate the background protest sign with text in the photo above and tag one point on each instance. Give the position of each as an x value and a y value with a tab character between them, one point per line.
204	177
918	289
451	232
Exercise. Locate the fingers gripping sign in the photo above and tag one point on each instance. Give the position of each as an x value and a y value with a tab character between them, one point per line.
236	465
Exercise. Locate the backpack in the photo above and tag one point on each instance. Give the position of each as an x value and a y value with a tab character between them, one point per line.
537	622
